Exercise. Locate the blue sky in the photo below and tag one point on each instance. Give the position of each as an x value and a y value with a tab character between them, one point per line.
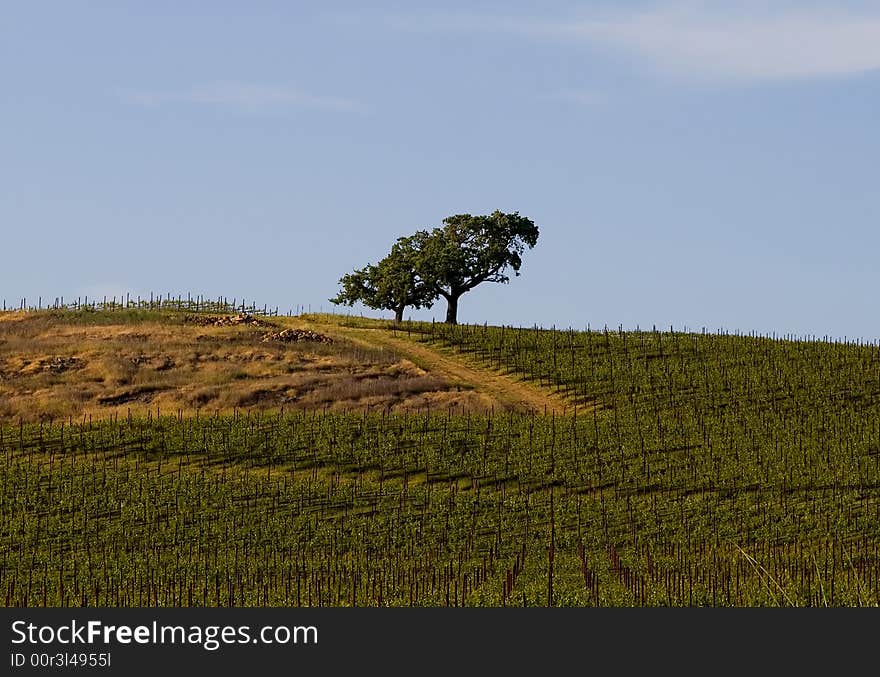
688	163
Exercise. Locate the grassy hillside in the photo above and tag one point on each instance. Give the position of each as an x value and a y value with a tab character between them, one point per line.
57	365
683	470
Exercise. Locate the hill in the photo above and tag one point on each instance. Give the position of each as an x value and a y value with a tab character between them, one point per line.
498	466
57	365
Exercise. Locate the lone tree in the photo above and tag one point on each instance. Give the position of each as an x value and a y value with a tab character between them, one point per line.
469	250
392	284
447	261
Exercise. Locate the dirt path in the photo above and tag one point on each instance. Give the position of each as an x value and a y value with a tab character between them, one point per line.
459	370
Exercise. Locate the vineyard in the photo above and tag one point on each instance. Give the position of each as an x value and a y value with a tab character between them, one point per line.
690	470
156	302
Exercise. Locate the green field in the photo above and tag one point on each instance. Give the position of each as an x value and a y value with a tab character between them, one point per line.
690	469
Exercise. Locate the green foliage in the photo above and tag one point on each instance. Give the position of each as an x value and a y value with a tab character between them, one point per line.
392	284
449	261
698	470
470	250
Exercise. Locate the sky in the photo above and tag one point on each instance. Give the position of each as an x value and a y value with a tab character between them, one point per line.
688	164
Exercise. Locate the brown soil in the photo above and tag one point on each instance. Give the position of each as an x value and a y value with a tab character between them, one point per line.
52	367
497	389
55	367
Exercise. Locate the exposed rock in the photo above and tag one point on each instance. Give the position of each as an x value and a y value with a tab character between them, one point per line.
143	394
226	320
294	335
56	365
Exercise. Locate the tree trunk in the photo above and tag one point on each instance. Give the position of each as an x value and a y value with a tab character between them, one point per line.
452	310
398	314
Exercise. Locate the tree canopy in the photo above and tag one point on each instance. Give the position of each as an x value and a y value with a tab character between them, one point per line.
469	250
447	261
391	284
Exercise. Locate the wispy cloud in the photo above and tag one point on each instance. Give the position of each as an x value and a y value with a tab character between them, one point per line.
729	41
242	96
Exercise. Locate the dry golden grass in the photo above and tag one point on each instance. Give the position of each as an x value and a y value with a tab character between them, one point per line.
55	365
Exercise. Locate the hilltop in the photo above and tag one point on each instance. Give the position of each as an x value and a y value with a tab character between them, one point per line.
351	462
58	364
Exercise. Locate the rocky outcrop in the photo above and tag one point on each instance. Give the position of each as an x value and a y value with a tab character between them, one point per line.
226	320
295	335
